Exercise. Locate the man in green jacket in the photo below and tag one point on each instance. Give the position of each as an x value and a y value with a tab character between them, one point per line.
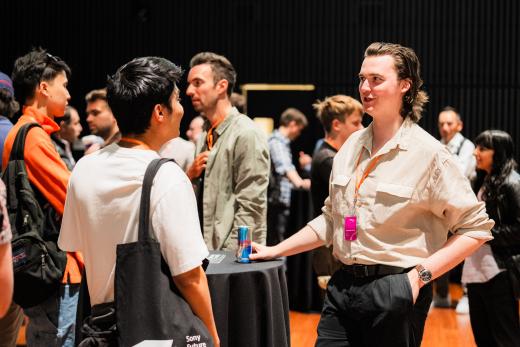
231	167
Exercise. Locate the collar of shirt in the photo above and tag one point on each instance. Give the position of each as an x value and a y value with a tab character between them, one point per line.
46	122
400	140
226	122
454	143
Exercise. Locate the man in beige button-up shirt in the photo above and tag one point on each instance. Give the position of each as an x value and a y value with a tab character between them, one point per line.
405	206
406	192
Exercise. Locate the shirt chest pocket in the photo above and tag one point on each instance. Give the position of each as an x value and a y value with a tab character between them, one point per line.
391	202
339	195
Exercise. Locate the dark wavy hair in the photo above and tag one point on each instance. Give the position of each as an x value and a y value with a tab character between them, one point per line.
503	162
407	66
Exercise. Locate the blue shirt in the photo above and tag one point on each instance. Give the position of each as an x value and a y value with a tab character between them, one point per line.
281	158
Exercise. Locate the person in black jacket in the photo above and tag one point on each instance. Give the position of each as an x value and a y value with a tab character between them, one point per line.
493	307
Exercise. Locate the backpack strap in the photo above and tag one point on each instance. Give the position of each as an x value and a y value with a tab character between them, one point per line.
144	211
12	171
19	141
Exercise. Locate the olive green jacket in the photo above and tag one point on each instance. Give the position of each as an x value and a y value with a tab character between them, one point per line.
235	182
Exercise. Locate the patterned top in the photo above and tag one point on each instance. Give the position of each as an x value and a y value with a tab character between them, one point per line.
5	232
281	158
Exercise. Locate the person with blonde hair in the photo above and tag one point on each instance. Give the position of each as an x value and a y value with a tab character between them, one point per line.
340	115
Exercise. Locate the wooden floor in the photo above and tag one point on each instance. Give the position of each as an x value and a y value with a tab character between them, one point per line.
444	328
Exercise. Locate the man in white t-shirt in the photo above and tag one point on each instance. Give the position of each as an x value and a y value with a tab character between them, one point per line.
179	149
102	206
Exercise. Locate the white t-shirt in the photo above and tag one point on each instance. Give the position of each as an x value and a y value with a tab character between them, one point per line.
181	150
102	211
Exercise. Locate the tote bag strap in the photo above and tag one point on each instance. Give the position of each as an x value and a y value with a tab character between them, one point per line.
144	211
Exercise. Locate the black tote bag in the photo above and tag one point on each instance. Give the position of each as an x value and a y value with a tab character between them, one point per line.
148	304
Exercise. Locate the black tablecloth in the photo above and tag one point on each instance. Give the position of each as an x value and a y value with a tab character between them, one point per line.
304	292
250	302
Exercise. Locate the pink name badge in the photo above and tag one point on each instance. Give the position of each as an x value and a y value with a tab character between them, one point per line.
350	228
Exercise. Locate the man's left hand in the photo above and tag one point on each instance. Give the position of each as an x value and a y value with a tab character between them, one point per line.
304	159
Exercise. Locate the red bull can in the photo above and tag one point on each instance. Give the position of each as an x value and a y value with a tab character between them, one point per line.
244	244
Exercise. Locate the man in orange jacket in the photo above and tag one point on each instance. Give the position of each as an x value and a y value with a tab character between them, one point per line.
40	80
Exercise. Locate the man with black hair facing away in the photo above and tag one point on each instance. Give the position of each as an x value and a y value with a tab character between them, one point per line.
102	208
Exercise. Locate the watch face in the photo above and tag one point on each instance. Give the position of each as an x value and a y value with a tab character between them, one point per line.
426	276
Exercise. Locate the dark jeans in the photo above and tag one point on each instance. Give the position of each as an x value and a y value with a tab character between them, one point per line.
493	312
277	219
373	311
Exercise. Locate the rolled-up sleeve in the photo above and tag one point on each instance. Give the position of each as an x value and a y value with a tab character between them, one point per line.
323	224
454	201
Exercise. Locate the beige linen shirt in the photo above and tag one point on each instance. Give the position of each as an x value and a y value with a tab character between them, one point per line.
407	204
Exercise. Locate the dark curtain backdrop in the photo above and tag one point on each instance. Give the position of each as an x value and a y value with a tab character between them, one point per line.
469	49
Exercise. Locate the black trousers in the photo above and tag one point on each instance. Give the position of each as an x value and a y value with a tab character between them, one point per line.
277	219
373	311
442	285
493	312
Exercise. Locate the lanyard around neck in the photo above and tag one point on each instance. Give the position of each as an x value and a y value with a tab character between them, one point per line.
210	137
367	172
135	142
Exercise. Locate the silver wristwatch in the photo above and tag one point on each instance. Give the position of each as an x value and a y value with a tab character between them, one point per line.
424	275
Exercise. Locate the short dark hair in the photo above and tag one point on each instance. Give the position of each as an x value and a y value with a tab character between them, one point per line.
33	68
8	105
292	114
220	65
135	89
407	66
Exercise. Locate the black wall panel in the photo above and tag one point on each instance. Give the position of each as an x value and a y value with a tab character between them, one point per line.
469	49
